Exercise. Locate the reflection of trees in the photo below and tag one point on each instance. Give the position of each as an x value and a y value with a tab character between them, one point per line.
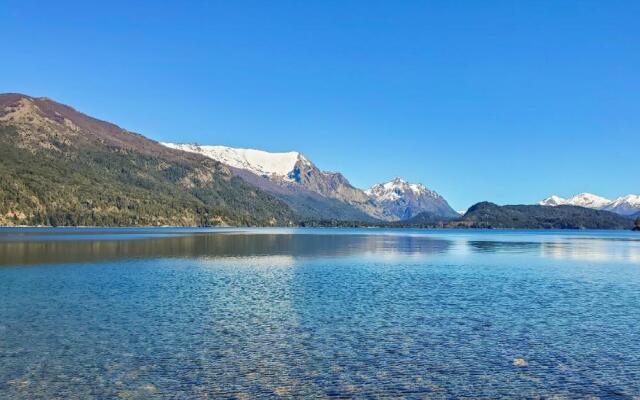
496	246
214	245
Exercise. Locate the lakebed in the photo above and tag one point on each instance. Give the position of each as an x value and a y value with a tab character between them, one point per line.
245	313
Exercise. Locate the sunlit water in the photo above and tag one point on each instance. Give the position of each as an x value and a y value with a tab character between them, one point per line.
169	313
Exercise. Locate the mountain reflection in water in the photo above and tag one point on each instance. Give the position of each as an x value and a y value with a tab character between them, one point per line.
55	246
25	252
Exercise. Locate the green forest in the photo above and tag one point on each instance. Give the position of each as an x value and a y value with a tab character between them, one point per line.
62	184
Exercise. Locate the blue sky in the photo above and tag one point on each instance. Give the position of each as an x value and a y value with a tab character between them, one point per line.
506	101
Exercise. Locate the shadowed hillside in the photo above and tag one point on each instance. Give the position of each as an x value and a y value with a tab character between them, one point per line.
489	215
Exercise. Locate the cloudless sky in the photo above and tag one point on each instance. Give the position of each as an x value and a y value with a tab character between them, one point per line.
507	101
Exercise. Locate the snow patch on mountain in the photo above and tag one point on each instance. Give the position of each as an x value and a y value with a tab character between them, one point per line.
257	161
393	200
553	201
396	189
402	200
586	200
625	205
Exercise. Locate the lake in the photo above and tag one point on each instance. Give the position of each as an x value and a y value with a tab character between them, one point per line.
267	313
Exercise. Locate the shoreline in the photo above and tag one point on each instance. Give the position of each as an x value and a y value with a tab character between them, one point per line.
182	227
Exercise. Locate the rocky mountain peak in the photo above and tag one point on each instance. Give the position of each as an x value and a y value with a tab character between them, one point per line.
290	175
297	175
397	188
401	199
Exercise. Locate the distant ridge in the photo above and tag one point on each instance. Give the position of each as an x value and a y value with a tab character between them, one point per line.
317	194
624	205
486	215
290	176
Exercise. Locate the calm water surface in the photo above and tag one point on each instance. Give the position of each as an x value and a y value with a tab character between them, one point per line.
184	313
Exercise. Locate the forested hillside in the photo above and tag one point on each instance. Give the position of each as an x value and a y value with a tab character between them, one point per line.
489	215
61	167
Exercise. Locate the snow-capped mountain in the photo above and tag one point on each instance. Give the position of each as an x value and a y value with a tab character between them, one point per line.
586	200
402	200
396	189
625	205
259	162
296	180
553	201
320	194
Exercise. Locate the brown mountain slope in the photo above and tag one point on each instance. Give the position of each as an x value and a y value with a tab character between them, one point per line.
61	167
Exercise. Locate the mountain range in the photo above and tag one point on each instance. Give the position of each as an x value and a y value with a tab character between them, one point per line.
59	166
317	194
628	205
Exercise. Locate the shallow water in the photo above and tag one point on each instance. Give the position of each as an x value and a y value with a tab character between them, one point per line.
184	313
